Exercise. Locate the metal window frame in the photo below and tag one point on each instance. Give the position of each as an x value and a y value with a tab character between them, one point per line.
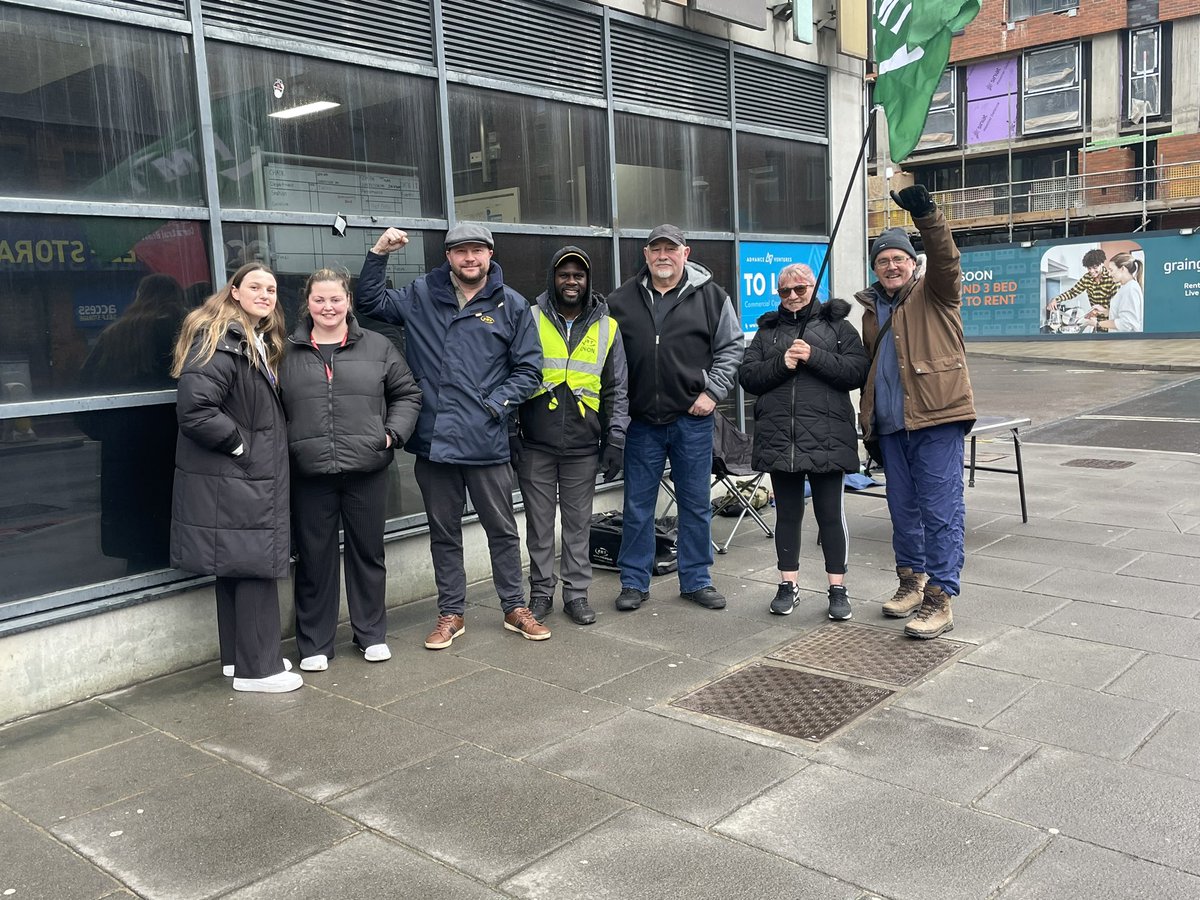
1076	87
1154	74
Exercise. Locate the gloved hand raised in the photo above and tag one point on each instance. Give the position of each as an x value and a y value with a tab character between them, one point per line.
916	200
611	462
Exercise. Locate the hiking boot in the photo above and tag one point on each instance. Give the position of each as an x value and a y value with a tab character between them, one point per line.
448	628
908	596
631	598
540	607
786	598
708	597
839	602
521	621
933	617
579	611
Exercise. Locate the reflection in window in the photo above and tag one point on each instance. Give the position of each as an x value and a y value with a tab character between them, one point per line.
1145	73
525	159
67	282
525	259
716	256
941	125
781	185
95	111
302	134
672	172
1052	89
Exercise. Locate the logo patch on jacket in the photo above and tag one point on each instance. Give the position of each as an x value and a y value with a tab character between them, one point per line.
488	320
588	345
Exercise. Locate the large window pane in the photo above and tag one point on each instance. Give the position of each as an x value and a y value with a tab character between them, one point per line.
303	134
716	256
81	316
95	111
782	186
671	172
525	159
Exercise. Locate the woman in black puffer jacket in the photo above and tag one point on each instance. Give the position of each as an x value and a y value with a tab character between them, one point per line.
350	401
802	365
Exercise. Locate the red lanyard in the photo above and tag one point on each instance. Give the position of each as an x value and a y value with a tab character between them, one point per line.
328	367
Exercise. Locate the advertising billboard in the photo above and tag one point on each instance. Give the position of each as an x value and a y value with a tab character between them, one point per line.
759	264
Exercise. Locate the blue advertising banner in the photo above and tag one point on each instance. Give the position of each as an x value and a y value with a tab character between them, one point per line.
759	268
1136	283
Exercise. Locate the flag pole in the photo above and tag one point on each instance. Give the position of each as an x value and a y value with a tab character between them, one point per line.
862	150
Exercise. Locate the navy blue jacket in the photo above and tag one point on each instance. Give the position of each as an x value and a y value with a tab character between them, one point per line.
474	365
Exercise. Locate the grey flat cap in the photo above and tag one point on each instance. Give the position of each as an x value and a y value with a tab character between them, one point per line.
469	233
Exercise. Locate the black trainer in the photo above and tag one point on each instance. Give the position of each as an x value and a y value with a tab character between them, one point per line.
786	598
579	611
631	598
540	607
839	602
708	597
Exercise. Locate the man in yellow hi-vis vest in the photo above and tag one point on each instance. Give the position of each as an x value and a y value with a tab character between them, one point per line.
572	428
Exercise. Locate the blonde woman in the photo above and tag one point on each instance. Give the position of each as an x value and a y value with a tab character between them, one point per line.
230	511
1126	310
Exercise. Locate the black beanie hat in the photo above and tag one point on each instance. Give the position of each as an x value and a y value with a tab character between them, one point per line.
892	239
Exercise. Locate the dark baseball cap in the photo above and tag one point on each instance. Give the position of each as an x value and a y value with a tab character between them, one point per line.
667	233
469	233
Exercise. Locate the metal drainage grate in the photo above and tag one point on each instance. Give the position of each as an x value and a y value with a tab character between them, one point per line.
1099	463
798	704
867	652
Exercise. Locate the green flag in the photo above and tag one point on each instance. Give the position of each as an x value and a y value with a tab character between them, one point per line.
912	47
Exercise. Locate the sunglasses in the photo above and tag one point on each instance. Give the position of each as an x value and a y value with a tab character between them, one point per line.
799	290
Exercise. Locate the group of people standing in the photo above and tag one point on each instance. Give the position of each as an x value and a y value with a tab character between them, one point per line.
563	390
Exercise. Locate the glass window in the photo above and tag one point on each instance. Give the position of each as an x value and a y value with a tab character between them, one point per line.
1023	9
303	134
525	159
782	186
716	256
93	111
525	259
672	172
941	125
1145	72
90	304
1052	89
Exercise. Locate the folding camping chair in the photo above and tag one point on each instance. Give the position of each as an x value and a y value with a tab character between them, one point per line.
731	458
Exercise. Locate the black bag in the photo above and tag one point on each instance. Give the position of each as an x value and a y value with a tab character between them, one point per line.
605	542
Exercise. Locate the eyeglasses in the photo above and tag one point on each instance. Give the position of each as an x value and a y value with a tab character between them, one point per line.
886	261
799	290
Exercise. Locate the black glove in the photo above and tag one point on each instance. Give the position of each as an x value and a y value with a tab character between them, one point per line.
916	200
611	462
514	449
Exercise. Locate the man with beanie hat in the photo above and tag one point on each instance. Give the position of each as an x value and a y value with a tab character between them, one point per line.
573	426
473	347
917	406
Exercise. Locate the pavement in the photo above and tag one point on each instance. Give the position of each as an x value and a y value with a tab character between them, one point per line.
1050	755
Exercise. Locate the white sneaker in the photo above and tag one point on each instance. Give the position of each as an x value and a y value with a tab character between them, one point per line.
227	671
318	663
377	653
279	683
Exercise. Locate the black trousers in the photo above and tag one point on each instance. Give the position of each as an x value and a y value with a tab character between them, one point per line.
828	499
357	501
444	488
248	626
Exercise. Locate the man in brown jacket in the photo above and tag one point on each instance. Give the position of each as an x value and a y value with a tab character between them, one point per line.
918	405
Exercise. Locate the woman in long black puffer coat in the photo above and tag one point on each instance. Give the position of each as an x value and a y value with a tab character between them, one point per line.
802	365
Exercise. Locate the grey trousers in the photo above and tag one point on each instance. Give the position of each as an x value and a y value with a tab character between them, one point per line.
444	488
568	484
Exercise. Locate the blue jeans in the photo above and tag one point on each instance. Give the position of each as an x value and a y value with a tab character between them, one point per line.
687	443
924	470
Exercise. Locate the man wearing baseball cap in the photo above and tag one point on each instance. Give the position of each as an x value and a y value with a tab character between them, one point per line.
683	344
473	346
918	406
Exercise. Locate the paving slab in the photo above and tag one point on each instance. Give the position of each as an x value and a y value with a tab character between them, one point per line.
1079	719
366	867
830	820
994	604
1118	806
1168	680
39	867
660	682
1069	868
411	669
481	813
1052	529
204	835
678	769
901	747
1121	590
1154	633
1165	567
1172	748
669	622
966	693
641	855
760	643
1053	657
508	713
1013	574
1054	554
44	740
1173	544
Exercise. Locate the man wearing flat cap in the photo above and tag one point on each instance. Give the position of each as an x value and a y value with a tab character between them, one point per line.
473	347
683	343
918	406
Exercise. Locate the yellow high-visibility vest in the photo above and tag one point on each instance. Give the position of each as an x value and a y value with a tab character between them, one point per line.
579	369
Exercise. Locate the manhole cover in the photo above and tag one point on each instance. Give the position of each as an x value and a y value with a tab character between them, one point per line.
867	652
798	704
25	511
1100	463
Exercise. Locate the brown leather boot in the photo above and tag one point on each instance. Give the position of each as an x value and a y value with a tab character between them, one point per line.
934	617
908	596
448	628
